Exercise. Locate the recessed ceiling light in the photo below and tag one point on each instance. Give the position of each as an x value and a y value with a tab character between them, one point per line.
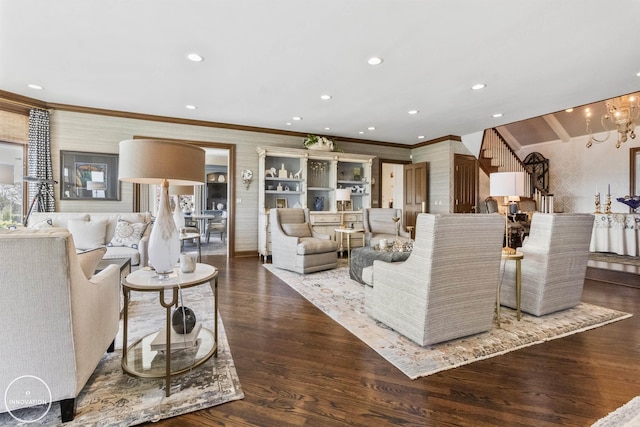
569	110
190	107
327	128
496	115
421	137
325	97
478	86
361	132
297	118
375	60
195	57
371	128
288	123
412	112
33	86
638	74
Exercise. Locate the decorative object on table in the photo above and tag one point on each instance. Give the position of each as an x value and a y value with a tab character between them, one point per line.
282	173
318	203
356	174
342	195
247	177
298	175
621	114
607	205
221	178
597	200
188	262
78	168
396	219
315	142
183	320
281	203
270	172
279	187
632	201
177	191
154	161
220	206
508	185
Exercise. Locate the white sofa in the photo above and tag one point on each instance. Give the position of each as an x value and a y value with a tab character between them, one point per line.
90	230
56	322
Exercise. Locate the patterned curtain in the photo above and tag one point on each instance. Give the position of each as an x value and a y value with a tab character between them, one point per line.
40	161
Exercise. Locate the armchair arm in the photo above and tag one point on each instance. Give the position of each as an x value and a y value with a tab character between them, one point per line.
320	235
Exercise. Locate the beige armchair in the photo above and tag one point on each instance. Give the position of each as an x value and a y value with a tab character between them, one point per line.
296	247
56	323
378	225
447	288
554	264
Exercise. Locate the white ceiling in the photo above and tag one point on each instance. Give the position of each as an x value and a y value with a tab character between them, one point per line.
268	61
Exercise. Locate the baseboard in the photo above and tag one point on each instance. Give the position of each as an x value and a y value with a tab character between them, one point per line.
611	276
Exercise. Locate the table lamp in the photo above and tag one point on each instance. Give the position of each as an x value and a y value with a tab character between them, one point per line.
342	195
6	174
177	191
155	161
510	185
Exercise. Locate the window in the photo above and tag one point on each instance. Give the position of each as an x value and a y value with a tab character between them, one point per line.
11	187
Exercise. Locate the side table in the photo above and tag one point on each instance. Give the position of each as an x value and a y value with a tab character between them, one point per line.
348	232
133	356
517	257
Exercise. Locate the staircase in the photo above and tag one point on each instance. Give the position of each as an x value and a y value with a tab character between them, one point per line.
496	156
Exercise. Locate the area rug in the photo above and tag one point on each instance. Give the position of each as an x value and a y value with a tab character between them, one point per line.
113	398
625	416
342	299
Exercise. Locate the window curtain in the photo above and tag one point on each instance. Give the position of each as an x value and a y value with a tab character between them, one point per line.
40	161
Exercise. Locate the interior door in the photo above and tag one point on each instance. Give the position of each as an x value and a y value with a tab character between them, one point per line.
464	183
415	186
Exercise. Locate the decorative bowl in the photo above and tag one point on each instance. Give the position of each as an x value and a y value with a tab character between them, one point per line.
632	201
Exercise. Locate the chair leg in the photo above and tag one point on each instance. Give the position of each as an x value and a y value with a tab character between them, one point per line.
67	409
112	346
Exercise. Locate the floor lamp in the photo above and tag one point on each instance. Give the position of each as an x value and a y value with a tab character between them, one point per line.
154	161
343	195
510	185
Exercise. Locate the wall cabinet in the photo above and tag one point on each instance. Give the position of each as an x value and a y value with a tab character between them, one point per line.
303	178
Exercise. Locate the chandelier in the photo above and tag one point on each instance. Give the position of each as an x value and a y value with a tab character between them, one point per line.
622	113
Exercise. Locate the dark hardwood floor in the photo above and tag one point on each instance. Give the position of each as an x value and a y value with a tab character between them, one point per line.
298	367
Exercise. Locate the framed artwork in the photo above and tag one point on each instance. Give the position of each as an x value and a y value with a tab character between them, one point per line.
89	176
347	205
281	203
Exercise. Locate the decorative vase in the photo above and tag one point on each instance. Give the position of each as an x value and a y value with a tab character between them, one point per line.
164	242
318	203
183	320
178	218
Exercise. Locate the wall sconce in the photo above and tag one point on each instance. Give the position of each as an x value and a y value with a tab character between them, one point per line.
247	177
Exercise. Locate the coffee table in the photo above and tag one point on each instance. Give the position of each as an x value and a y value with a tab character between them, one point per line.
364	257
138	358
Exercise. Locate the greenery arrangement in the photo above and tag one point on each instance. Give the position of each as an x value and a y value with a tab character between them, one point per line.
321	141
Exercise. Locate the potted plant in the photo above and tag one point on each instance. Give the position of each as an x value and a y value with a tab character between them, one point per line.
315	142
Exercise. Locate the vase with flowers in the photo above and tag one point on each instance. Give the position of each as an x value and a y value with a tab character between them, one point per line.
315	142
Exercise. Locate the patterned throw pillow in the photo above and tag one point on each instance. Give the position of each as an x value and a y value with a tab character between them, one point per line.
128	234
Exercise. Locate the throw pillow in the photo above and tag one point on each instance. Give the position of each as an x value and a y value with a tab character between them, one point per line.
297	230
89	260
87	234
128	234
45	223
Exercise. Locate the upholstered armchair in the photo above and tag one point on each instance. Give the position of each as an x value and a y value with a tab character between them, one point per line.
296	247
56	322
447	288
554	264
378	225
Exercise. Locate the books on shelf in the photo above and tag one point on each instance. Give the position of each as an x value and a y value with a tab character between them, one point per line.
178	341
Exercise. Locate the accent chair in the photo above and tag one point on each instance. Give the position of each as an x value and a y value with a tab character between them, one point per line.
447	288
554	264
296	246
378	225
58	318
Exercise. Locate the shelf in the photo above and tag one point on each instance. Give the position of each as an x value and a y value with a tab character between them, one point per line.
353	182
319	188
282	192
269	178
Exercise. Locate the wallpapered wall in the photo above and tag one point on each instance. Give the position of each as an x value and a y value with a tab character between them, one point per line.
88	132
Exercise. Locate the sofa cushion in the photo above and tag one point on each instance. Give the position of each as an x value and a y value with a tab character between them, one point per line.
87	234
312	245
297	230
123	252
89	260
127	234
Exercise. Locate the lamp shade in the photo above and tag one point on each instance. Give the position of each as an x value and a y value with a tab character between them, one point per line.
150	161
6	174
506	184
181	190
343	194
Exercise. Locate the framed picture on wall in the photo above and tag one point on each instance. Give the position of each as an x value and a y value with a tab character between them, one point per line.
281	203
89	176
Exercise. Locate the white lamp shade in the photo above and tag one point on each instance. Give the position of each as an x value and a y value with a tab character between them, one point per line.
506	184
6	174
181	190
150	161
343	194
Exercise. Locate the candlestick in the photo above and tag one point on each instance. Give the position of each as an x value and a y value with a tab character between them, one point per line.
609	189
597	203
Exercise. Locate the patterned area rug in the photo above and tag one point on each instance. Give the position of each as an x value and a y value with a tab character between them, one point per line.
342	299
625	416
113	398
